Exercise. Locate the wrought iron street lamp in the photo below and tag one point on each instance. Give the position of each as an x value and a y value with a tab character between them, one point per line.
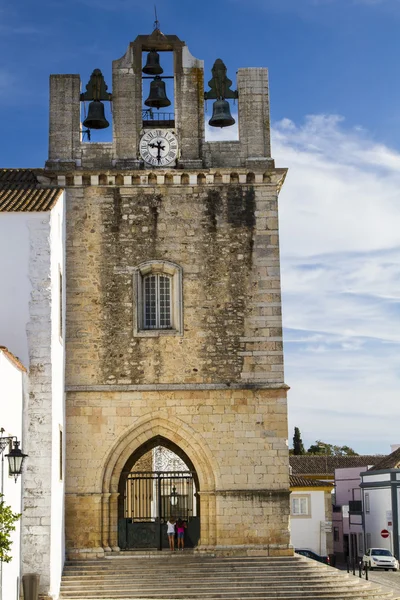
15	460
15	457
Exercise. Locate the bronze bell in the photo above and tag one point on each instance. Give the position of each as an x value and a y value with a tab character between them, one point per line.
95	118
152	66
157	97
221	116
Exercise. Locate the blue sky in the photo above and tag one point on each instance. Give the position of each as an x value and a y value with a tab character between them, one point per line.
335	109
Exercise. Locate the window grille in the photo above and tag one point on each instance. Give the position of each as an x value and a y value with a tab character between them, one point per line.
157	302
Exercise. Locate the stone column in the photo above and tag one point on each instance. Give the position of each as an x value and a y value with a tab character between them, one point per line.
189	107
113	522
105	524
254	119
127	111
64	133
208	534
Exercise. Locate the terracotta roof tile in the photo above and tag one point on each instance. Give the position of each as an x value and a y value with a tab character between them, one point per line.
21	191
392	461
296	481
12	358
325	465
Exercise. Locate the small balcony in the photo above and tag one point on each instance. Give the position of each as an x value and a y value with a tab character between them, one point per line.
153	118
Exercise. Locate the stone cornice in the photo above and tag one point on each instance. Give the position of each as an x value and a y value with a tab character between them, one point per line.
161	387
135	178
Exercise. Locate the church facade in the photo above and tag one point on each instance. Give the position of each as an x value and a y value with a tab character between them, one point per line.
171	310
173	307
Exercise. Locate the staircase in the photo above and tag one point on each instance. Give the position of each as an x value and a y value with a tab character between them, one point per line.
181	576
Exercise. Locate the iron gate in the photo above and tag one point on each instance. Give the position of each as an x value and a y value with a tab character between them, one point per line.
150	500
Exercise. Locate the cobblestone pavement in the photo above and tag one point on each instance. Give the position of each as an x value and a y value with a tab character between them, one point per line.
388	580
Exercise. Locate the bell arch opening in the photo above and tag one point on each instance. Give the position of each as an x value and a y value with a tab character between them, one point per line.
158	484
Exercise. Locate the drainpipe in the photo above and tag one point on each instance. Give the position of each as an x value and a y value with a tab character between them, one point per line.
395	516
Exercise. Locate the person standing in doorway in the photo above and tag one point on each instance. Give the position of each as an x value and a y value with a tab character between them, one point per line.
171	533
180	530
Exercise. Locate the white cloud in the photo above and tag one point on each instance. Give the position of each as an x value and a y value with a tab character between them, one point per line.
340	247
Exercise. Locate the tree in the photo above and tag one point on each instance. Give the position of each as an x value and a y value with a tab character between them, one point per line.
330	449
7	525
298	447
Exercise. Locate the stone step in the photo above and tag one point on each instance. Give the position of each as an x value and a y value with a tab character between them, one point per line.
205	578
173	557
84	579
332	582
190	571
266	595
224	590
165	568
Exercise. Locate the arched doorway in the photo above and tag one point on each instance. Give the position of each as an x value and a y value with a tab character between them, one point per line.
158	483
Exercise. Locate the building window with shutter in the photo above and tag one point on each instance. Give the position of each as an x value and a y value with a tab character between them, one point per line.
158	299
301	506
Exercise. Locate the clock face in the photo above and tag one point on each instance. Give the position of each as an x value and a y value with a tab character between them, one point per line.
159	147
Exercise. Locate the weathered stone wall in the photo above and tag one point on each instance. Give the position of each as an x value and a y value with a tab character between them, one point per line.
225	239
216	391
234	438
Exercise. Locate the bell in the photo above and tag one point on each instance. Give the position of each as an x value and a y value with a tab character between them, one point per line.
95	118
221	116
157	97
152	66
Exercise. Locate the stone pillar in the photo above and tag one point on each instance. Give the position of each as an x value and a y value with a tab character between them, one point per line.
113	537
127	110
64	133
208	533
254	119
189	107
105	525
37	478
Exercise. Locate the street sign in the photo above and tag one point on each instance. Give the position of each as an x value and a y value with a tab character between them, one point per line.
385	533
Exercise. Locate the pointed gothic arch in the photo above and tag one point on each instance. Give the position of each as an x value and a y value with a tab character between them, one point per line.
143	436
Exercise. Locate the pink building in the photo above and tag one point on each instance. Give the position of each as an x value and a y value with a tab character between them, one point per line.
347	518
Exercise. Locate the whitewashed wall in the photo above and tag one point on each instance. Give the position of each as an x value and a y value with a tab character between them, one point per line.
57	552
15	283
29	325
12	386
376	519
306	532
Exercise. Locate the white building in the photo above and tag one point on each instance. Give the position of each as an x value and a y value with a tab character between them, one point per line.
12	391
31	326
311	514
381	496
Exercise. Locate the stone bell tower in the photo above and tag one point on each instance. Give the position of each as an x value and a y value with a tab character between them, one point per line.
173	300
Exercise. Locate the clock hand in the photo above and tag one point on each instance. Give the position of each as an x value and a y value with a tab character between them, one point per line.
159	147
